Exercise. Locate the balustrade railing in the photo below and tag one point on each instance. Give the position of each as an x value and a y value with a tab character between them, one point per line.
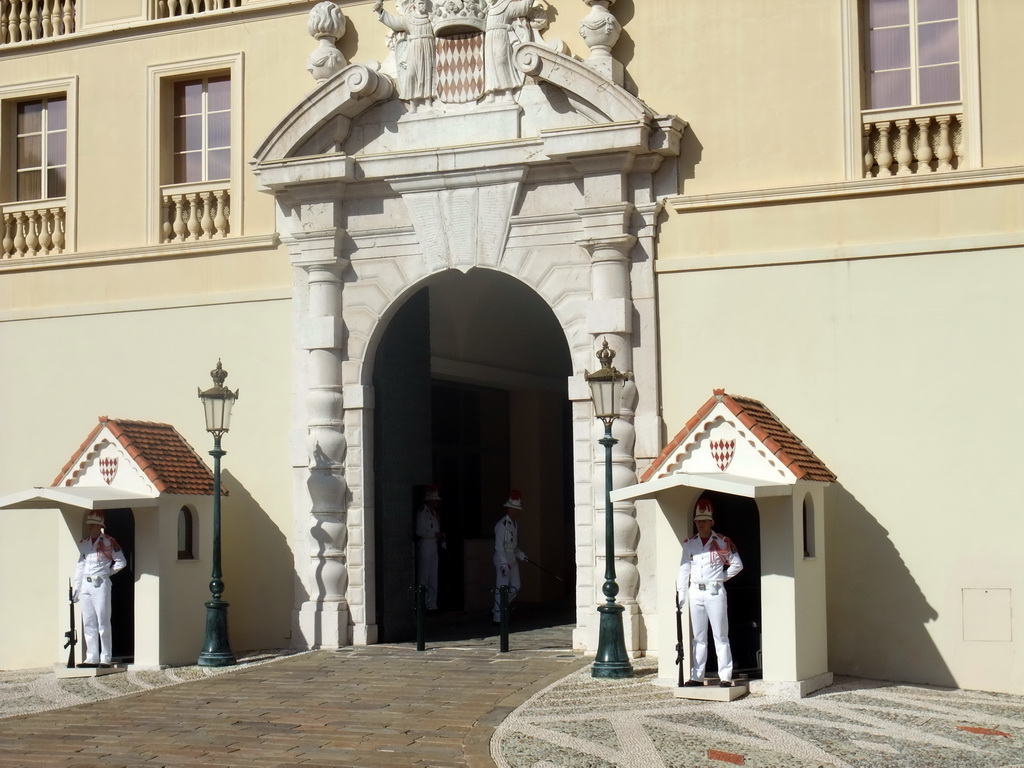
34	229
195	212
24	20
169	9
913	142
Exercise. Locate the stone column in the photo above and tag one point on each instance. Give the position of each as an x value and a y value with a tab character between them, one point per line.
323	618
610	318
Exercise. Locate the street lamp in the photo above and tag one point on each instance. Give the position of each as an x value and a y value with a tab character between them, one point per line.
217	402
606	391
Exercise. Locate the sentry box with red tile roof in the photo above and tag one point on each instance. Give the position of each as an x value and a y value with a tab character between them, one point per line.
769	494
156	494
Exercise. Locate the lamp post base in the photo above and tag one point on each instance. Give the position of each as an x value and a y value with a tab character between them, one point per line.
612	661
216	650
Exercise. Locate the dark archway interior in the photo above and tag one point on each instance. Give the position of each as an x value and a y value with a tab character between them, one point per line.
470	394
120	524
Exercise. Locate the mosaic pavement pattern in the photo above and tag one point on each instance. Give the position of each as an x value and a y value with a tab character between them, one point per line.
580	722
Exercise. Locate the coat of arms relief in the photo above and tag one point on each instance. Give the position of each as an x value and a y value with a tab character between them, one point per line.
460	51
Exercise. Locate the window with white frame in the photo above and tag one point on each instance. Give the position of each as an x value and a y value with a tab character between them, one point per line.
202	129
913	52
41	142
37	168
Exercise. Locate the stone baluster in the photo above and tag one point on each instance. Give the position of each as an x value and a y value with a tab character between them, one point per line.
167	226
904	157
8	235
959	143
58	229
172	7
206	222
32	232
869	155
12	24
35	29
45	231
944	149
19	233
924	145
884	155
47	20
23	27
69	16
193	216
220	221
179	218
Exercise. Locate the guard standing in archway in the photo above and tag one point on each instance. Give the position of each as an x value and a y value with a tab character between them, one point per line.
99	558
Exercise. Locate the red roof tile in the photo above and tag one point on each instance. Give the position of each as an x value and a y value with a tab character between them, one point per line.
163	455
766	426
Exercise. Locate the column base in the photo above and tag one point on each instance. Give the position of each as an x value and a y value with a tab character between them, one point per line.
323	625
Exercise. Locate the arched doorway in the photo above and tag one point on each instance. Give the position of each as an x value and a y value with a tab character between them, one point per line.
470	394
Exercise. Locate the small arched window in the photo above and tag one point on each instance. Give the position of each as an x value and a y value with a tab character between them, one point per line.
808	526
186	537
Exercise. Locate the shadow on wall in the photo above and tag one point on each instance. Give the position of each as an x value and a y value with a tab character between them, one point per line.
877	614
259	572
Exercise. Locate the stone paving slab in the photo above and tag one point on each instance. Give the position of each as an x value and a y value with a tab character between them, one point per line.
383	705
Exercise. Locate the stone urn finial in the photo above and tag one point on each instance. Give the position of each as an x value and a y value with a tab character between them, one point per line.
327	25
600	31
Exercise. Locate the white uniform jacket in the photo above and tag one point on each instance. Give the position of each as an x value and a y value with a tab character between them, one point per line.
427	524
98	560
506	542
716	561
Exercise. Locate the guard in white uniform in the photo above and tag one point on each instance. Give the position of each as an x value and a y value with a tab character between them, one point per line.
428	538
709	560
99	558
507	552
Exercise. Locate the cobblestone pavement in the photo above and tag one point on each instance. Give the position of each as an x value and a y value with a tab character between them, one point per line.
580	722
462	702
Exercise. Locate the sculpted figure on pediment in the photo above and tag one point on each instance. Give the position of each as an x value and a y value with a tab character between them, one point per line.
500	74
414	49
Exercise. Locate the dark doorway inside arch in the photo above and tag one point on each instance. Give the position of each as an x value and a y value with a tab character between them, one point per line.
738	518
470	394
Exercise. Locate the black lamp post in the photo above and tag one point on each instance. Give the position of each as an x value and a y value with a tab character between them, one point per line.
606	391
217	402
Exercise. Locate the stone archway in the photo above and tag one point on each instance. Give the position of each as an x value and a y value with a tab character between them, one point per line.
556	186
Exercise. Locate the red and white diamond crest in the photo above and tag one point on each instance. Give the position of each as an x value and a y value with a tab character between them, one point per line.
722	452
108	468
460	68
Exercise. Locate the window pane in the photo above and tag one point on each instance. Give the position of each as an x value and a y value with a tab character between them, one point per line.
30	185
56	182
890	89
30	116
56	148
934	10
188	168
938	43
219	134
30	151
940	84
188	98
890	48
219	164
888	13
56	114
188	133
219	95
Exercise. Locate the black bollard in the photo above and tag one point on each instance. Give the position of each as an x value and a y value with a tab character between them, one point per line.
421	617
503	608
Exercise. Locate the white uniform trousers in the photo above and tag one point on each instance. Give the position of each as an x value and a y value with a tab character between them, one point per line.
509	578
705	609
95	602
426	569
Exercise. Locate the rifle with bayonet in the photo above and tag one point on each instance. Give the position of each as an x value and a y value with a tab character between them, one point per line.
680	648
71	634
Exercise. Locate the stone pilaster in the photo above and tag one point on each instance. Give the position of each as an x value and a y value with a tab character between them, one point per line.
323	618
